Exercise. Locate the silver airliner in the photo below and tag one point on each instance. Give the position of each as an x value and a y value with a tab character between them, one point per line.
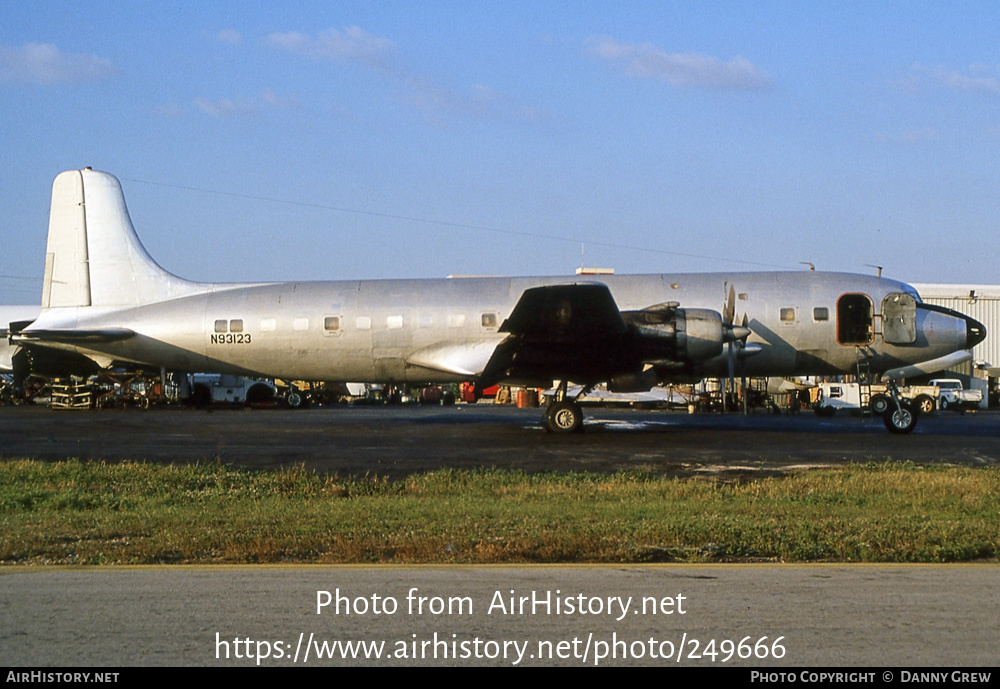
104	298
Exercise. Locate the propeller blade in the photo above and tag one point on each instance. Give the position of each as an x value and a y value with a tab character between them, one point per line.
729	312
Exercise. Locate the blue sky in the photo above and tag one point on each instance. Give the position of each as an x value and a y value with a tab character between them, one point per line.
266	141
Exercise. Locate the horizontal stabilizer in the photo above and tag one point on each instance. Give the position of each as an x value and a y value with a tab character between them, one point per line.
76	335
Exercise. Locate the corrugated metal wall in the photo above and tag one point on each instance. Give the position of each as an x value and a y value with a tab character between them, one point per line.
981	302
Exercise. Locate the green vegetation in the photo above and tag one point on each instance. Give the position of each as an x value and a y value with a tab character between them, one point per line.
94	513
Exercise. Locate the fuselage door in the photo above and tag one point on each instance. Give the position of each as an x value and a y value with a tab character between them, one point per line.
899	319
855	320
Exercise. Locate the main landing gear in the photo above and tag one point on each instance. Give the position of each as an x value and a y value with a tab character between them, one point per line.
565	415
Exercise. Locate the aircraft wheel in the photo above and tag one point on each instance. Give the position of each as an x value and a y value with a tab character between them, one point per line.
880	404
902	420
564	417
925	403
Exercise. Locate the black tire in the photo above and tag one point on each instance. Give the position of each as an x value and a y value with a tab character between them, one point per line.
944	404
901	420
259	393
564	417
880	404
201	396
295	400
925	404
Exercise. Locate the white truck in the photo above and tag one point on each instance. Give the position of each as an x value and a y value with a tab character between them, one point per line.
214	388
832	397
955	396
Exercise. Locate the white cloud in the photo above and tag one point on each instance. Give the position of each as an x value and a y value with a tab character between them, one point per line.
911	136
225	107
353	44
230	36
44	63
976	78
272	99
440	103
680	69
170	109
979	79
221	107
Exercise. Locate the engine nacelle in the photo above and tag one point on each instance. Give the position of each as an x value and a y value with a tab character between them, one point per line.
634	382
705	335
670	334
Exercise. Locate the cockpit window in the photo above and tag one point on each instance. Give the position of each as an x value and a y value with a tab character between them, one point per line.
912	291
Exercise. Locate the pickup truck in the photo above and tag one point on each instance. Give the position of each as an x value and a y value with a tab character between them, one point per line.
847	396
953	396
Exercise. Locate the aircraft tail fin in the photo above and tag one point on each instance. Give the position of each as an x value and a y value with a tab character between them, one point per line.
93	256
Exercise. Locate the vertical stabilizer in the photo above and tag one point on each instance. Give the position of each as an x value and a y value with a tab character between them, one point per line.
67	273
93	256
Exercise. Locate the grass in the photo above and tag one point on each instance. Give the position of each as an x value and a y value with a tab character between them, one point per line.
134	513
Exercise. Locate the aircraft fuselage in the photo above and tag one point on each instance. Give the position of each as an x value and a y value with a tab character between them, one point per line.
441	330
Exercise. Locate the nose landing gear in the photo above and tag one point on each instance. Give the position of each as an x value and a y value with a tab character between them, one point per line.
899	417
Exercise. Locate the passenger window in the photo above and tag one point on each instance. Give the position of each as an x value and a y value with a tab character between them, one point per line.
236	326
394	322
821	313
331	323
221	326
787	314
363	323
268	325
300	324
489	320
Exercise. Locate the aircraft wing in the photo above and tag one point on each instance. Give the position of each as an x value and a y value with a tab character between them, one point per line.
573	331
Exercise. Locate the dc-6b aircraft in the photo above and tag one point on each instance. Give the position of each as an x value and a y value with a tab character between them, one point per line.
104	298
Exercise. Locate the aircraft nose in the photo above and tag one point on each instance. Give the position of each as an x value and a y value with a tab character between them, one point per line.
975	332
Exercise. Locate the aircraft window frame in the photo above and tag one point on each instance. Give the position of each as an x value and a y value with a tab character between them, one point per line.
268	325
221	325
236	325
489	320
821	314
363	323
843	326
394	322
331	324
787	315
